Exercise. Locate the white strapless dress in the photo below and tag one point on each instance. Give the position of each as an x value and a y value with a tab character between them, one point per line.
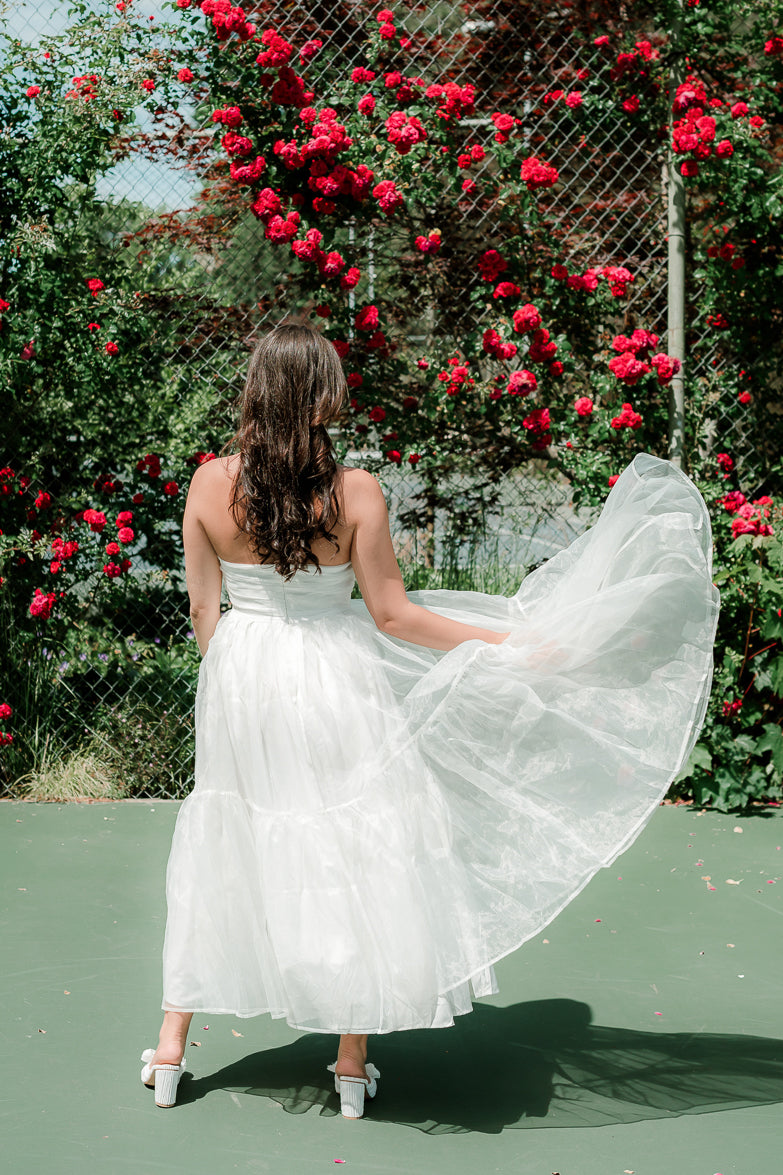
373	824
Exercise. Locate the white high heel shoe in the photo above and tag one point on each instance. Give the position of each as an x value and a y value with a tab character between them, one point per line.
166	1078
352	1090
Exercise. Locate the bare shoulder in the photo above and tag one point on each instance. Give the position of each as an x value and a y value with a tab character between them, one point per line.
362	494
207	475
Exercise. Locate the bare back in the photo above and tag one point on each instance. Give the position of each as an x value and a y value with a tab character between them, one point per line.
213	496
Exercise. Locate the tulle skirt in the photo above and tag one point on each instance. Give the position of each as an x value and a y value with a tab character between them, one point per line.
374	824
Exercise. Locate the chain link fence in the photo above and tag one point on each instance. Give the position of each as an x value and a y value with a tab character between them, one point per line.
134	695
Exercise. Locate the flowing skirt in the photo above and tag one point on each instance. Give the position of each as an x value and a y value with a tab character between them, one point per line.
374	824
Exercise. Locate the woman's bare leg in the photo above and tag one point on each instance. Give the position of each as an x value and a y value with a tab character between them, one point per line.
173	1038
352	1056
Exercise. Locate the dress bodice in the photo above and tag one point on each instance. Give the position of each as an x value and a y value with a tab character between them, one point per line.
257	589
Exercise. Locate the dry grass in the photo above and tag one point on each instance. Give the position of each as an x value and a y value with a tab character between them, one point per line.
87	774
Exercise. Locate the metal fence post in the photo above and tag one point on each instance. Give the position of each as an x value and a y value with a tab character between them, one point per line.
676	271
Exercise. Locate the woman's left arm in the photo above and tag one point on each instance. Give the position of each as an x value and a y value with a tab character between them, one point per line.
202	569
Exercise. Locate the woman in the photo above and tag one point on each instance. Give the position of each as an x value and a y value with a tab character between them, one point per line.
393	793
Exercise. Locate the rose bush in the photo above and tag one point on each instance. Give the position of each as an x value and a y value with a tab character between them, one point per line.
425	223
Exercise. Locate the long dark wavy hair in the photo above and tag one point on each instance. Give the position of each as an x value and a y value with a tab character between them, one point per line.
284	494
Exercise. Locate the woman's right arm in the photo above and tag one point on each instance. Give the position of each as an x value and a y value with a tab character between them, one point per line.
379	578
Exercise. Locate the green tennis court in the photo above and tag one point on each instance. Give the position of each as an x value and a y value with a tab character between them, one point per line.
641	1032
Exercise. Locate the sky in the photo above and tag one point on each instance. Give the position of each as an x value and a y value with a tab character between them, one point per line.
153	184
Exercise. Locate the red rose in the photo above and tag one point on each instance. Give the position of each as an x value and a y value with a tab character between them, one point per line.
725	462
613	479
148	84
341	347
366	104
689	167
526	318
185	75
94	285
739	110
505	290
393	455
414	458
491	265
367	318
631	105
388	196
559	273
95	519
584	406
744	397
42	604
666	367
43	500
112	548
33	91
171	488
409	403
5	710
137	499
112	570
628	368
521	383
350	278
536	174
125	533
627	418
724	149
361	75
111	348
376	415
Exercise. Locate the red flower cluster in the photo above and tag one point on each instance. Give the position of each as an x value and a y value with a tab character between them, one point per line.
456	377
149	463
491	265
527	318
226	19
731	708
43	500
725	252
230	116
404	132
94	285
543	350
388	196
731	501
453	100
751	518
95	519
42	604
504	124
632	361
6	738
725	462
267	206
521	383
84	87
430	243
627	418
475	155
367	318
536	174
538	424
385	19
494	345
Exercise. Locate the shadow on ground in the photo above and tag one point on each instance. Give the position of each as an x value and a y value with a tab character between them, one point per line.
536	1064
